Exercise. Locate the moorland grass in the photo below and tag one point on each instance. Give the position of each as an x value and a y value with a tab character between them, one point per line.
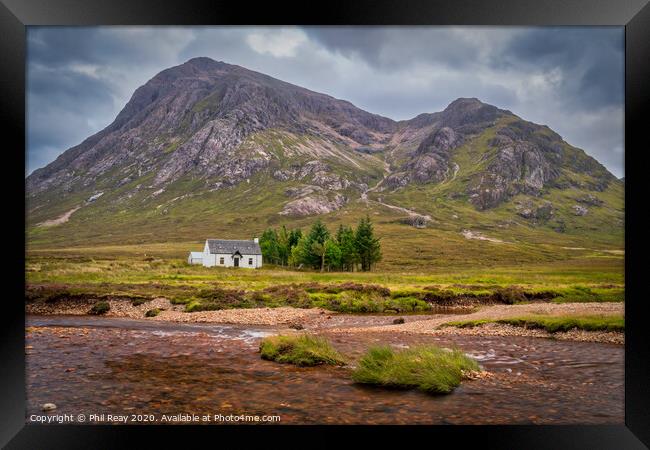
142	273
428	368
552	324
303	350
368	302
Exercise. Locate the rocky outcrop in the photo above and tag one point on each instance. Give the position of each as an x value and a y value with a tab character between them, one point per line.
302	191
416	221
590	199
579	210
396	180
319	175
522	164
313	204
432	161
537	213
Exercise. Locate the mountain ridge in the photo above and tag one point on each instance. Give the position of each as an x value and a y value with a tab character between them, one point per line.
204	127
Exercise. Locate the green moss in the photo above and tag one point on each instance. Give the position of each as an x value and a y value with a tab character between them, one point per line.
428	368
100	308
152	312
301	350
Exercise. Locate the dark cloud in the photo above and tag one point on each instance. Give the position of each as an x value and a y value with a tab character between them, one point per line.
568	78
393	47
59	101
591	60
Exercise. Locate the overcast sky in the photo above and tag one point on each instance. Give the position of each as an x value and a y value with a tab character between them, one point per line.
571	79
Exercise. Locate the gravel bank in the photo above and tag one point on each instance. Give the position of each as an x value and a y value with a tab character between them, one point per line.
431	326
316	319
174	313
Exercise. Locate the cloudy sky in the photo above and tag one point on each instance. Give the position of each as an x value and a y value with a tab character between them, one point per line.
571	79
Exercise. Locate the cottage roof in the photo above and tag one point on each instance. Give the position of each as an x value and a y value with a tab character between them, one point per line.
231	246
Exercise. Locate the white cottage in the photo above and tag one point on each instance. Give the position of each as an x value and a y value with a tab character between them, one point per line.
232	253
195	258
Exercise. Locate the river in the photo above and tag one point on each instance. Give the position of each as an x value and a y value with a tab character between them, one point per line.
94	365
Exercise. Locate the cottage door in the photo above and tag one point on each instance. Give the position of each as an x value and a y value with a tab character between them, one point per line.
236	262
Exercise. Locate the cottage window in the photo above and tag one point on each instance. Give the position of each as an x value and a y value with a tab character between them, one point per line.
250	261
221	260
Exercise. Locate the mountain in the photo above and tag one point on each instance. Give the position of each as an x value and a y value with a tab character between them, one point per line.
206	146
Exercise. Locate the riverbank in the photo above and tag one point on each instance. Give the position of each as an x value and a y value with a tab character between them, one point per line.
436	324
317	320
169	312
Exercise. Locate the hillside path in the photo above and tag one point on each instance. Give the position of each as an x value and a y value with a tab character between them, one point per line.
387	173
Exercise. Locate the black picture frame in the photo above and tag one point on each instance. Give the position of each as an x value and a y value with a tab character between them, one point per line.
634	15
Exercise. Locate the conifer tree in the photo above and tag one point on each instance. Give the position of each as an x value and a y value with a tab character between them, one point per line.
367	245
345	240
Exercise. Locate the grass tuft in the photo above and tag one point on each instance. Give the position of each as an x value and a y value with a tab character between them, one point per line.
302	350
152	312
552	324
564	323
100	308
429	368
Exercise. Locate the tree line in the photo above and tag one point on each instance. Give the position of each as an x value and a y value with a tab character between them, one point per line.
348	249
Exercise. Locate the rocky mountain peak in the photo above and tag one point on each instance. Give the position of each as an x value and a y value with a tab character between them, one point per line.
205	63
470	113
464	103
215	125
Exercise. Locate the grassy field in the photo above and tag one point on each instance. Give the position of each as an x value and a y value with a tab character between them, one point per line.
160	270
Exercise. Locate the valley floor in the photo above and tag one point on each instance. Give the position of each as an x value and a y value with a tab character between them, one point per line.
481	300
175	337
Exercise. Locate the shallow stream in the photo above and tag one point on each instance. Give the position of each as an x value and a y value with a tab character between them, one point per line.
95	365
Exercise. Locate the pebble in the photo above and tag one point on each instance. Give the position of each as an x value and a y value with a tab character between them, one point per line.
48	407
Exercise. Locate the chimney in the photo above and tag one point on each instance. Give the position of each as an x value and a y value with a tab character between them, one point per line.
256	240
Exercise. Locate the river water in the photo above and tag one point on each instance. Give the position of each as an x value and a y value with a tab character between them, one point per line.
94	365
